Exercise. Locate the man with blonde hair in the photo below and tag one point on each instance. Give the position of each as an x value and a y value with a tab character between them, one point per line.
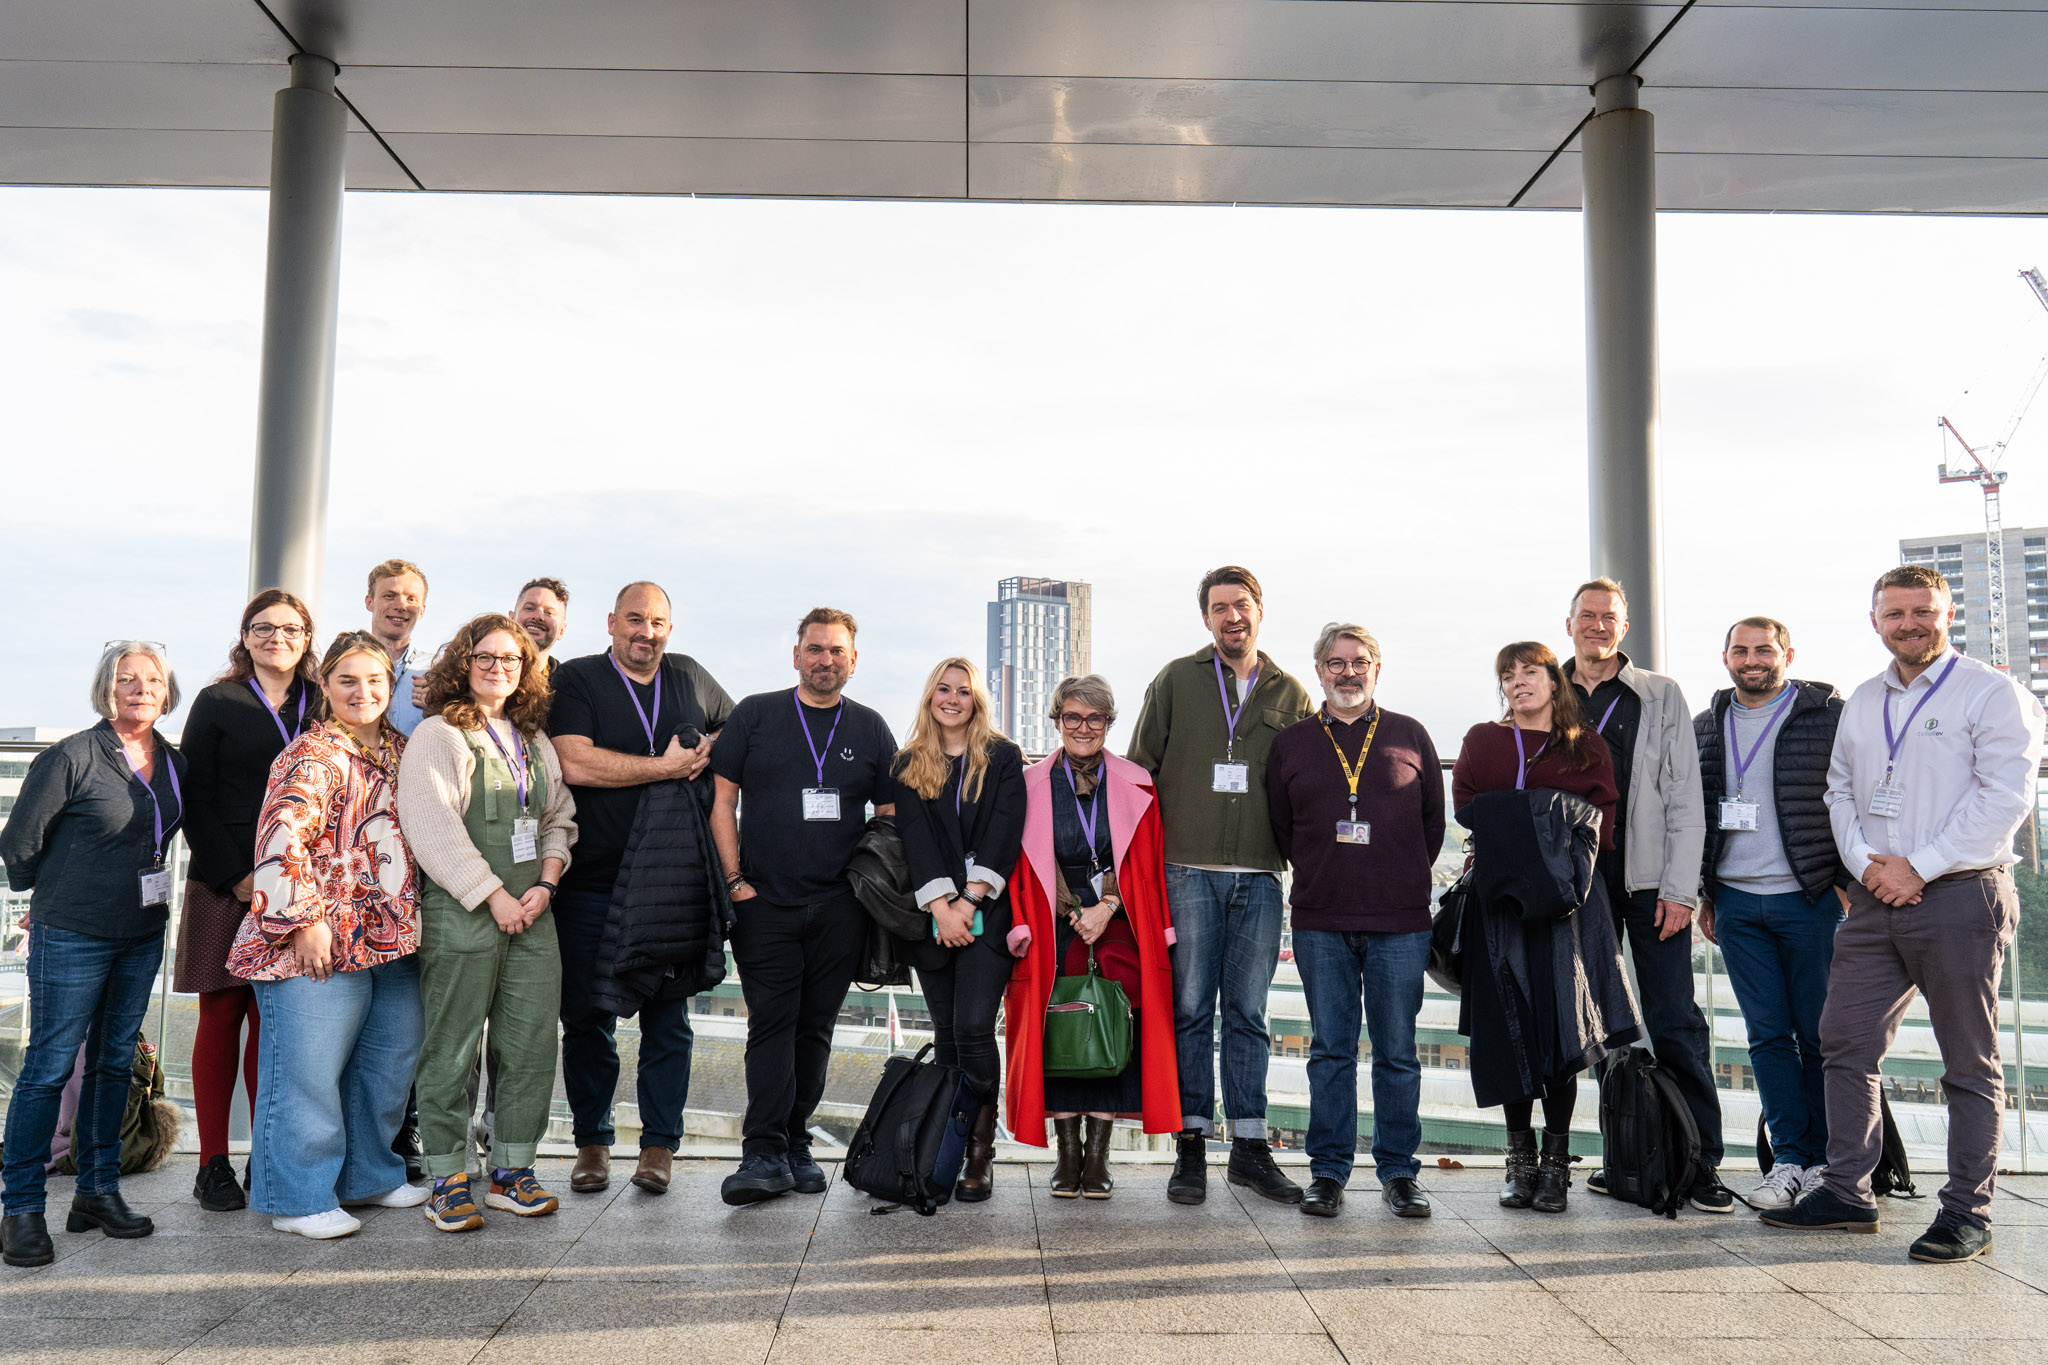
396	600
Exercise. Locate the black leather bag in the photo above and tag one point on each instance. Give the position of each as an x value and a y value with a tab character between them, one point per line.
1447	935
880	876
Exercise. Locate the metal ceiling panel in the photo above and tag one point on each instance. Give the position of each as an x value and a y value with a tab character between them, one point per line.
652	165
142	156
1233	175
1362	40
1825	184
139	31
1272	113
191	95
1855	49
903	36
1850	122
658	103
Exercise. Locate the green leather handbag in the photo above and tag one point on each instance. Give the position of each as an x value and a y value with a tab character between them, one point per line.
1087	1026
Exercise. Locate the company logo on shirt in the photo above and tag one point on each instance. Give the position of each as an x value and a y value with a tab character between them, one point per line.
1932	727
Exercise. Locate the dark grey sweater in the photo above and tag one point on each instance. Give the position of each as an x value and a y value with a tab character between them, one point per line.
82	833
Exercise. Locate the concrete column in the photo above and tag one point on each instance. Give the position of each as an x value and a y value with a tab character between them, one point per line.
301	303
1618	157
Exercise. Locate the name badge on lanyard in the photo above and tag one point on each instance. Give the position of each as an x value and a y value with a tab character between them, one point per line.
525	829
1230	775
1354	830
155	880
1737	814
1888	798
820	802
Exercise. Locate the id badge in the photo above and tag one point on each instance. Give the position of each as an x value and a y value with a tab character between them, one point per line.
1095	885
1232	777
1737	814
821	803
1354	832
1887	800
156	886
525	839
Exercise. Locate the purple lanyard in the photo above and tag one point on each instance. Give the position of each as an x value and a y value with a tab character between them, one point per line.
817	754
959	787
1526	759
1605	716
1892	742
156	805
277	716
1231	714
1088	817
519	765
646	721
1742	760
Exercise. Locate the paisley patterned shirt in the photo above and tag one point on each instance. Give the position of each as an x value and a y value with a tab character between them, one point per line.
328	847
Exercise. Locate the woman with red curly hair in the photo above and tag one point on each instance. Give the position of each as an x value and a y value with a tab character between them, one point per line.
481	797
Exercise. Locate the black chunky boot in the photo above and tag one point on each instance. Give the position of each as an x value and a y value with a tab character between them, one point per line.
977	1174
1519	1187
25	1240
1251	1164
1066	1171
1554	1173
1189	1183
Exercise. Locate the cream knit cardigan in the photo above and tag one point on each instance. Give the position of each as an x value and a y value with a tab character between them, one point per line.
434	779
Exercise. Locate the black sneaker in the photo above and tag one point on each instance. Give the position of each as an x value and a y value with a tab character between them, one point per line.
1952	1238
216	1188
1596	1181
1251	1164
1189	1183
1820	1210
808	1174
1709	1195
759	1177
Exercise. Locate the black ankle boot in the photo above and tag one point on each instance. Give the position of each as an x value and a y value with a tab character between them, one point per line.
1189	1183
1066	1171
977	1173
1251	1165
108	1212
1095	1181
1519	1186
25	1240
1554	1173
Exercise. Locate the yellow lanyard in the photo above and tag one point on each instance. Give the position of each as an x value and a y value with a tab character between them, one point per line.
381	760
1352	771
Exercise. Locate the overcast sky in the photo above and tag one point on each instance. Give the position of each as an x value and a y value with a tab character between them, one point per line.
770	405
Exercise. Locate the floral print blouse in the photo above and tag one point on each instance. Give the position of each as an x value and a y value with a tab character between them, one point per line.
328	847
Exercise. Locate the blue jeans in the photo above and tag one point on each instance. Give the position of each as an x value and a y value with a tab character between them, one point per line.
1778	950
1385	972
335	1066
590	1049
81	990
1227	938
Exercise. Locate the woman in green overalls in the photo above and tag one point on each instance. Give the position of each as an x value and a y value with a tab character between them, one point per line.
483	807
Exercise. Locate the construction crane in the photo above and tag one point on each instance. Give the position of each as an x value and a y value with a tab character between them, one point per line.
1991	479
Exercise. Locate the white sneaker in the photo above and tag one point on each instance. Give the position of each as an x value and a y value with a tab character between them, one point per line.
403	1197
318	1226
1780	1189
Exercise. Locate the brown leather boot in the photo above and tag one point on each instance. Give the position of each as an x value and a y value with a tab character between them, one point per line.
592	1171
1066	1171
977	1176
1095	1181
652	1173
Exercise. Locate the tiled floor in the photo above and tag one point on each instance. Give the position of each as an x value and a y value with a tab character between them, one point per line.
620	1278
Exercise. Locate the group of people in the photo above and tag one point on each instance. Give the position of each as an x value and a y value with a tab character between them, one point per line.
411	876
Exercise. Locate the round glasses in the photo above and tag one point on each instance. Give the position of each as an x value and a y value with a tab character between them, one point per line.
496	663
1075	721
263	630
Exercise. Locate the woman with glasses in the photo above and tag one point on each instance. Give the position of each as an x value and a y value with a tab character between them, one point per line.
1091	881
238	726
481	797
330	943
87	838
962	819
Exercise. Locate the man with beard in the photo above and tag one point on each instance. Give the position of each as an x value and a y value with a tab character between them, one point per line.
1204	733
1769	884
617	723
396	600
542	611
808	762
1934	771
1357	800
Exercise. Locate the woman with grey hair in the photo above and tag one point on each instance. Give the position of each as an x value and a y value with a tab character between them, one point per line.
87	839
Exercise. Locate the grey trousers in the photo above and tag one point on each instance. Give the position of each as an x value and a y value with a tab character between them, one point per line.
1951	948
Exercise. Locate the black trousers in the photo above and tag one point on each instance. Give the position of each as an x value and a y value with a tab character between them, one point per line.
1678	1031
963	988
796	965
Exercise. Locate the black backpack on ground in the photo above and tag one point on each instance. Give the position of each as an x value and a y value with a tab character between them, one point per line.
910	1144
1649	1144
1892	1177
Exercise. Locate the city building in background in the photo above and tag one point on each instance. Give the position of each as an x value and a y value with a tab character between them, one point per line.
1962	560
1039	631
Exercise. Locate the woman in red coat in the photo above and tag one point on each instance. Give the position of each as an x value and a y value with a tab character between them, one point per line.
1092	873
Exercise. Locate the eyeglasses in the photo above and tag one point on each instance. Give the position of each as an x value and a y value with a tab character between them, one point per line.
493	663
1337	668
1074	720
263	630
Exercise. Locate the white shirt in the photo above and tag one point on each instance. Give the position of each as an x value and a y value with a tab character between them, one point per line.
1966	765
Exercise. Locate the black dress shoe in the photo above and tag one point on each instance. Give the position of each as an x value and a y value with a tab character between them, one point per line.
1952	1238
1251	1164
1819	1209
109	1213
216	1189
1323	1198
1405	1197
25	1240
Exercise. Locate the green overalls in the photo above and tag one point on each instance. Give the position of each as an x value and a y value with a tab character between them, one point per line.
471	970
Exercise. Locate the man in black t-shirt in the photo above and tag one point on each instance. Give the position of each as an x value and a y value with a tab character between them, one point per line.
616	725
807	763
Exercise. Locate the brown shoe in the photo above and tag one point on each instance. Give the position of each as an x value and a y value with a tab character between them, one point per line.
652	1173
593	1170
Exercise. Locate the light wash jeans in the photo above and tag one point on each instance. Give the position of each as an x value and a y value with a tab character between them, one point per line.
1227	941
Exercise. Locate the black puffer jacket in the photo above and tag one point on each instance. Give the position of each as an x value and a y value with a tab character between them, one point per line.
665	936
1799	784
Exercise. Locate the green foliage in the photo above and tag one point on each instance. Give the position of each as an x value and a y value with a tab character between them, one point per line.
2033	937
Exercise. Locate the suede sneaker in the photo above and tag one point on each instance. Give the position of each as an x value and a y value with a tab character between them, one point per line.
759	1177
518	1192
1819	1209
451	1207
808	1174
1952	1238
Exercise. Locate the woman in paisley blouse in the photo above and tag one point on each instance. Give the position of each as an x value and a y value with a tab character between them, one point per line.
329	944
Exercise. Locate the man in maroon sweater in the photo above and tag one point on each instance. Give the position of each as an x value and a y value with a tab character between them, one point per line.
1356	797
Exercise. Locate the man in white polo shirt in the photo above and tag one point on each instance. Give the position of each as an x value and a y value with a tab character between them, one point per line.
1933	773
